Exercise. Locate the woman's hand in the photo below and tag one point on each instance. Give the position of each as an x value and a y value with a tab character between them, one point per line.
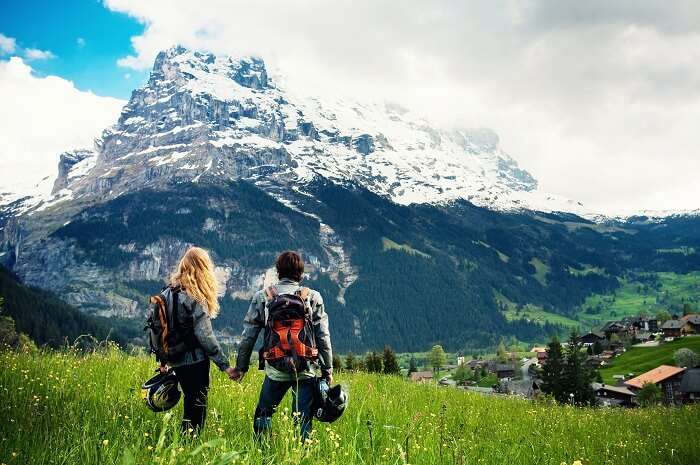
234	373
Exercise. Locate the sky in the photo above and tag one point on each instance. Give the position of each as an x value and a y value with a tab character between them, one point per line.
599	100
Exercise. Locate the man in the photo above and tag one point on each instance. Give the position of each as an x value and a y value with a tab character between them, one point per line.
279	379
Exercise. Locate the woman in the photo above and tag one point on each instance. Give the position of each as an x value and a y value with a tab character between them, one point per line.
194	287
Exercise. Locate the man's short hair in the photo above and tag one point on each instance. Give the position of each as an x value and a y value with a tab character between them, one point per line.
290	265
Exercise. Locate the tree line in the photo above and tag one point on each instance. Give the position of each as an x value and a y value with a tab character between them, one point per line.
372	362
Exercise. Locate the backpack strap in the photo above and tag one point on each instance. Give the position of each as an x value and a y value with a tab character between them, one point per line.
303	293
175	299
270	294
162	314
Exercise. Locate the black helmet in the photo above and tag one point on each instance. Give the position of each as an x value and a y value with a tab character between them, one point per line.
160	392
330	403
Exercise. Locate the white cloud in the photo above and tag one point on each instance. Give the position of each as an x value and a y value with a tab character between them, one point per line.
7	44
599	100
42	117
80	42
36	54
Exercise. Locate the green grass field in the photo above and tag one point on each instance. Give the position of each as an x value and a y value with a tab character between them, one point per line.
536	314
66	408
533	313
637	360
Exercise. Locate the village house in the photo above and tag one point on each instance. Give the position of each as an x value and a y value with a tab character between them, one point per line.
675	328
421	376
591	338
667	378
613	396
504	371
473	364
693	323
690	385
642	323
541	357
615	327
595	361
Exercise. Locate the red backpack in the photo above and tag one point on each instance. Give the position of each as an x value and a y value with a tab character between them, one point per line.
289	343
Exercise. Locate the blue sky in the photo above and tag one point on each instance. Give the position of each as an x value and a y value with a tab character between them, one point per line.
85	38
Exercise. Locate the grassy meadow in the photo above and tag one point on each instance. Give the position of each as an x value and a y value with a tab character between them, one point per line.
637	360
71	408
632	299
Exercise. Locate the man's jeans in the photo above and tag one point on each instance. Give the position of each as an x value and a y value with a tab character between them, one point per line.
271	395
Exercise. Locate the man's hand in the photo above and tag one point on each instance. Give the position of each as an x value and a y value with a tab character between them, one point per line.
164	368
234	374
329	378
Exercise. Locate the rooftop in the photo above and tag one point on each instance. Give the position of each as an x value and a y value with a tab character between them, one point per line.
608	387
654	376
673	324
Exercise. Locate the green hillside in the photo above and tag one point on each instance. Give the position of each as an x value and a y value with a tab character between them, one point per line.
64	408
637	360
643	293
47	319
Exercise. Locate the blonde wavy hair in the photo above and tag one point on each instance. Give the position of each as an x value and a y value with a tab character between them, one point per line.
195	275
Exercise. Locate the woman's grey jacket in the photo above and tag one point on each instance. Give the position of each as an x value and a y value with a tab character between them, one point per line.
209	346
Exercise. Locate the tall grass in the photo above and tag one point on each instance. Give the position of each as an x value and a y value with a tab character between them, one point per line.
73	408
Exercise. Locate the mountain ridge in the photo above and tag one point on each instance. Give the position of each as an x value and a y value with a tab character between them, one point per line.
234	105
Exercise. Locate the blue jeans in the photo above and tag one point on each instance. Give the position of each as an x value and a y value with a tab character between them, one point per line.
271	395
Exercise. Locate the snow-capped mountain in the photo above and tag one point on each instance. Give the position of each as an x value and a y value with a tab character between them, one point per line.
213	151
203	117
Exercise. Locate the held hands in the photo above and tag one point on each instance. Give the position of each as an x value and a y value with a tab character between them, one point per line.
234	374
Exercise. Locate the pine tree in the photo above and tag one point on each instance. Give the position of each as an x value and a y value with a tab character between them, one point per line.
577	376
597	348
552	371
350	362
337	363
412	365
391	365
501	352
373	362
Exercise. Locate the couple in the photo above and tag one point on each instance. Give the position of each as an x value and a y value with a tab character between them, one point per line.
194	287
